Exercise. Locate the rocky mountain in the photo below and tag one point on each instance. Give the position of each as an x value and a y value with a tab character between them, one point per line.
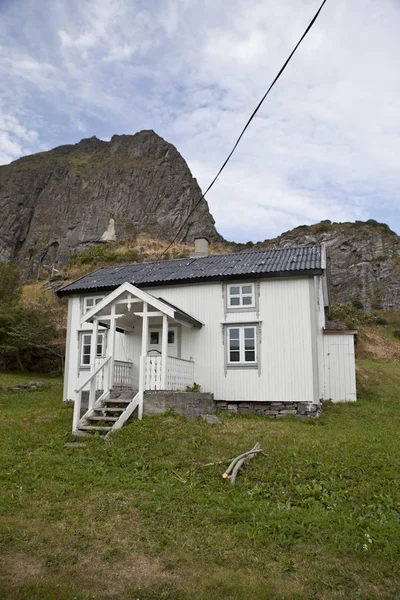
363	260
76	196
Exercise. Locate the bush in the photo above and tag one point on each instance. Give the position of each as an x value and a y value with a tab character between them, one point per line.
101	254
26	334
10	283
349	315
381	321
30	336
358	304
396	333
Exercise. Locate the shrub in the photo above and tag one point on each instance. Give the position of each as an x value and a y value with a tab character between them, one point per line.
193	388
10	280
396	333
322	227
358	304
349	315
381	321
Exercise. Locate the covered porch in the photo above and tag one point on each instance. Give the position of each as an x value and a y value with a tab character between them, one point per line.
148	331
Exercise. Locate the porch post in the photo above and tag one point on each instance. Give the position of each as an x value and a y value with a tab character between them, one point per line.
112	347
164	352
93	348
145	335
93	345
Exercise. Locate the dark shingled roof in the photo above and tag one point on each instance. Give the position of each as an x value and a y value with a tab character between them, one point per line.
286	262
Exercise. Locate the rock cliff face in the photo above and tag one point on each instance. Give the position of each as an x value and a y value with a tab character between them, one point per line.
363	260
73	197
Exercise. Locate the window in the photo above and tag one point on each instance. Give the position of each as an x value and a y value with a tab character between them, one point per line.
91	301
241	296
154	338
242	345
86	342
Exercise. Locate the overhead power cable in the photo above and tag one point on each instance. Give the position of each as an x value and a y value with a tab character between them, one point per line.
244	128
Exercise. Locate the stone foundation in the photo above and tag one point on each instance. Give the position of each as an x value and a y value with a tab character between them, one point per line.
188	404
273	410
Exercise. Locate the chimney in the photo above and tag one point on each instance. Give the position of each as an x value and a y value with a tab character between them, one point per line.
200	247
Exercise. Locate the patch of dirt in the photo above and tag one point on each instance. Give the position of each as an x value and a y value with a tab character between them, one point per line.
19	568
374	345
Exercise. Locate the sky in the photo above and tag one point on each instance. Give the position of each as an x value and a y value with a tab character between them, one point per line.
325	144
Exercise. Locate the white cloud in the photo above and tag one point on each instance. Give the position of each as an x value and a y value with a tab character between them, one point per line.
326	144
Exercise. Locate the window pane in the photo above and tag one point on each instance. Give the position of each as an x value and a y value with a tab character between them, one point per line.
171	337
234	290
234	345
234	356
154	337
234	334
249	344
249	356
89	302
235	301
249	333
87	339
97	300
247	289
247	300
86	359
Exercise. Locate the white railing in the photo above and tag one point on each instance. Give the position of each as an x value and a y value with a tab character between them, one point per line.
98	379
123	375
179	373
152	372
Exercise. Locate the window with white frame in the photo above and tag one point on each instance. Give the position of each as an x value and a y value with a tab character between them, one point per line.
242	345
86	344
241	295
90	301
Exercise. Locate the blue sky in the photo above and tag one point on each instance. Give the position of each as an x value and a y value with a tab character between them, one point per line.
325	145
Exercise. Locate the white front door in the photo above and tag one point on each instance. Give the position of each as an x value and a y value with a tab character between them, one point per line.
155	340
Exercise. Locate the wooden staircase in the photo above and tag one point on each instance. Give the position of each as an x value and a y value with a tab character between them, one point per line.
109	414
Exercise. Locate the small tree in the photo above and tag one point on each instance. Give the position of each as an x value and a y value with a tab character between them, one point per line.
10	283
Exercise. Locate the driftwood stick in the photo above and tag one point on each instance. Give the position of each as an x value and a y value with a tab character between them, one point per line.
240	462
250	453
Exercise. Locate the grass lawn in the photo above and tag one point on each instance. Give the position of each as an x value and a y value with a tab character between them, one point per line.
144	517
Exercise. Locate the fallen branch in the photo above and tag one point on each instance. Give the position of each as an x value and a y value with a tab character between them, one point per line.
232	471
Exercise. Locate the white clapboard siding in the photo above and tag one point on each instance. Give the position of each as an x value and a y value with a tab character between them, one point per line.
288	360
286	367
340	379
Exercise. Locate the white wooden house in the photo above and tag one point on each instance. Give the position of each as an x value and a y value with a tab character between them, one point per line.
248	327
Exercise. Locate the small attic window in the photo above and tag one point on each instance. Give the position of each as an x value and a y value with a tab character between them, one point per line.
90	301
241	295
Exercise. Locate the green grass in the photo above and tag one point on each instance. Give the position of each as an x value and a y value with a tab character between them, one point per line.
317	517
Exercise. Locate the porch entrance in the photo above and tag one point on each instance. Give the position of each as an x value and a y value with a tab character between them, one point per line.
155	338
157	365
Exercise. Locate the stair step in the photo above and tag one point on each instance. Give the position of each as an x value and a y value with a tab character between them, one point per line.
102	418
110	409
118	401
94	428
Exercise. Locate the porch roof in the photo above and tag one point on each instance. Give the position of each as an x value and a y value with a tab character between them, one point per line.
132	295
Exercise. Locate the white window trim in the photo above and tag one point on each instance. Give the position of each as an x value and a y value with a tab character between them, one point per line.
253	307
83	365
242	362
85	307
